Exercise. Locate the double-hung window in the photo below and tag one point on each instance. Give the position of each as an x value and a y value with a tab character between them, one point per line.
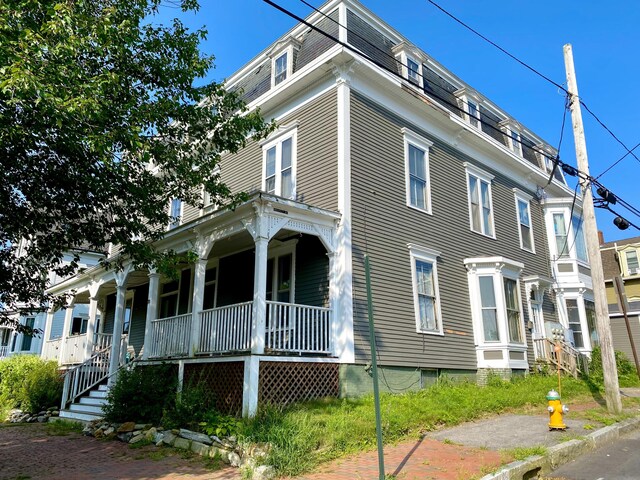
280	69
632	262
573	314
512	310
473	111
279	166
480	203
282	56
413	71
425	289
489	309
523	211
175	212
580	243
560	232
417	170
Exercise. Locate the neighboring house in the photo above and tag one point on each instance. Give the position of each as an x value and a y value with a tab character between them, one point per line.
12	342
620	258
475	255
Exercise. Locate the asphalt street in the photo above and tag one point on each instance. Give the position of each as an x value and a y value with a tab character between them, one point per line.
619	461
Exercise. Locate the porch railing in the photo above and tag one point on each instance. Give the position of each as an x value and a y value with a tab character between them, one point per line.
226	329
298	328
82	378
170	336
4	350
74	349
51	349
102	341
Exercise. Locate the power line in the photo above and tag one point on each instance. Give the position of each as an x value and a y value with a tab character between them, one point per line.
570	170
618	161
529	67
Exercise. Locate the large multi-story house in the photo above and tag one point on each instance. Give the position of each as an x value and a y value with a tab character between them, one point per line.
475	240
620	258
13	342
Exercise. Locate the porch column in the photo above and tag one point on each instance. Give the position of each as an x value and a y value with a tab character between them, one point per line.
198	301
91	325
250	386
48	322
203	247
259	310
68	315
121	289
152	312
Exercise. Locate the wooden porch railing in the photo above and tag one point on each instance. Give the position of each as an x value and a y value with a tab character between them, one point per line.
82	378
51	349
4	350
298	328
102	341
74	349
568	359
170	336
226	329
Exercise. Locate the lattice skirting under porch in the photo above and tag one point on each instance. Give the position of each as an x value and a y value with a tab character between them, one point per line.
282	383
223	379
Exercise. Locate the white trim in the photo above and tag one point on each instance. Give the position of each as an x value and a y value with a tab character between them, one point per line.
426	255
421	143
287	47
525	198
344	345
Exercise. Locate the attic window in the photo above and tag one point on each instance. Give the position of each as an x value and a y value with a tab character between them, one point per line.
469	102
410	60
282	56
514	139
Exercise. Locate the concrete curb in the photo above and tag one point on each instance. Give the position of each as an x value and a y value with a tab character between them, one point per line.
563	453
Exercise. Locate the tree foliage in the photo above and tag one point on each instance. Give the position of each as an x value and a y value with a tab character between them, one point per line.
101	124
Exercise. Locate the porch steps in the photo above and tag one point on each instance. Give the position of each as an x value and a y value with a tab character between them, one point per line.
88	408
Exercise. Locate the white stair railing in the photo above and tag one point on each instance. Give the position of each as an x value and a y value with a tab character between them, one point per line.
82	378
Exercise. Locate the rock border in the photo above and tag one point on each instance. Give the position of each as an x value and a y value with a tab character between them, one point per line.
250	458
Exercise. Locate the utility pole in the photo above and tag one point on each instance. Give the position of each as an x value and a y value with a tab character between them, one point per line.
611	386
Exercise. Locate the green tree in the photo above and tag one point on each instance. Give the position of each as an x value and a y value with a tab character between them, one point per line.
101	124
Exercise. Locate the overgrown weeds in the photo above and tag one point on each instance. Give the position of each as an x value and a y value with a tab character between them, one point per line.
62	428
29	383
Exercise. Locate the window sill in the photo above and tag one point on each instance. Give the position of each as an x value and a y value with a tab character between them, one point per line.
430	332
418	209
492	237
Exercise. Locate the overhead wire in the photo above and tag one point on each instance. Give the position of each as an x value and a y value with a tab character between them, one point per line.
540	74
443	100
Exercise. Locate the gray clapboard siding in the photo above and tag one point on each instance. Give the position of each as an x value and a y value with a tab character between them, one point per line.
138	317
377	154
620	335
317	154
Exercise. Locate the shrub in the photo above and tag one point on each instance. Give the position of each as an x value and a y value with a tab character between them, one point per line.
30	383
190	407
626	370
142	394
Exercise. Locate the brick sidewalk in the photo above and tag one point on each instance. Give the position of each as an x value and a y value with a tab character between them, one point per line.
27	451
424	459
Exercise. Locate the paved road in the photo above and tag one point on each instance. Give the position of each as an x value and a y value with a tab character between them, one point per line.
28	452
619	461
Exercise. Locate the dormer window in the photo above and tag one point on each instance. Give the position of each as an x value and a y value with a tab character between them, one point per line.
410	60
282	55
514	139
469	102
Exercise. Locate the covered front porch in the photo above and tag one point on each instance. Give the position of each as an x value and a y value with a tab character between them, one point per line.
264	284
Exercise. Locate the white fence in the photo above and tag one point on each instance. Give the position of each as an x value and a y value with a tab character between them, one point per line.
170	336
298	328
226	329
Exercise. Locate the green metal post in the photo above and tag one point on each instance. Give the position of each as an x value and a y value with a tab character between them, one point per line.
374	370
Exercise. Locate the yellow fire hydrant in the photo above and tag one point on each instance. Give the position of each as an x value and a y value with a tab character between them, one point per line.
556	410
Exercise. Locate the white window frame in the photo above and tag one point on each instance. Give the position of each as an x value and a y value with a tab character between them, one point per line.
467	97
636	269
525	198
274	253
421	143
418	253
288	48
178	218
481	176
497	268
275	141
515	143
572	250
405	53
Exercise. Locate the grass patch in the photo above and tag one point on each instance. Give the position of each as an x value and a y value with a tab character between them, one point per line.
63	428
520	453
307	434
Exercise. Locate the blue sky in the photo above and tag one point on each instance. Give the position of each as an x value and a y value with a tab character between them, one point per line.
605	38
